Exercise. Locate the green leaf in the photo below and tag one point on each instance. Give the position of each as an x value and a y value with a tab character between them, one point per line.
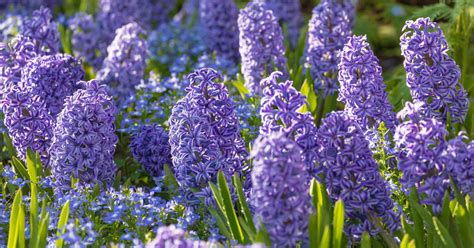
20	169
262	236
63	218
247	230
326	238
170	180
243	204
220	223
365	242
229	208
313	231
338	224
418	227
443	234
407	242
43	231
462	219
239	85
15	217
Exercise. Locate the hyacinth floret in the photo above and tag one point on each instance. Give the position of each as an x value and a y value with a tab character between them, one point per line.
351	174
84	138
288	12
279	194
42	30
460	163
205	135
174	237
329	28
420	141
124	66
149	146
280	111
260	44
219	19
362	87
432	76
53	78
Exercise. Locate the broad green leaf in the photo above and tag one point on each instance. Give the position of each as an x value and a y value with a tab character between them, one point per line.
326	238
220	223
14	226
338	224
405	241
443	234
229	208
262	236
247	230
63	218
243	204
462	219
365	242
313	230
43	231
217	197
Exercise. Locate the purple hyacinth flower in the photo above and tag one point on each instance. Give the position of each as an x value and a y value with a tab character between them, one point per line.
205	135
53	78
432	76
150	147
42	30
124	66
261	45
329	28
279	194
84	138
289	13
460	163
219	19
420	142
362	87
351	174
280	111
174	237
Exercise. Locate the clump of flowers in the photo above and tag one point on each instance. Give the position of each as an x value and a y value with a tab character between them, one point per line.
362	87
124	66
432	76
280	195
42	30
87	39
351	174
205	135
172	236
150	147
420	142
52	78
280	111
84	138
261	45
219	18
329	28
460	163
288	12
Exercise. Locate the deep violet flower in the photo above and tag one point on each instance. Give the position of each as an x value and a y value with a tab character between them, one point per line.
42	30
420	142
53	78
329	28
289	13
362	87
150	147
84	138
219	19
351	174
280	111
261	45
460	163
124	66
174	237
205	135
279	194
432	76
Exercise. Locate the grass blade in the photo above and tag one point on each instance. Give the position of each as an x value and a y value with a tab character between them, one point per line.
14	225
229	208
243	204
338	224
63	218
443	234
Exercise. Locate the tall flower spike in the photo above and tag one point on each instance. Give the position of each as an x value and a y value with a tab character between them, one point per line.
420	142
280	111
87	40
150	147
205	135
351	174
432	76
84	138
280	196
261	45
460	163
219	18
42	30
124	66
53	78
288	12
362	87
173	237
329	28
